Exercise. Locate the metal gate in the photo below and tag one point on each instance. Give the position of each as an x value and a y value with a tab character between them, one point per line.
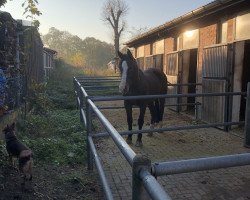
173	71
217	77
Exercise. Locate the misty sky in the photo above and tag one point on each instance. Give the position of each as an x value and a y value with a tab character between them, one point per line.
83	17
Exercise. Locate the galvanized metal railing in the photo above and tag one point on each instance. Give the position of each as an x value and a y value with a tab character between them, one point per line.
141	175
143	171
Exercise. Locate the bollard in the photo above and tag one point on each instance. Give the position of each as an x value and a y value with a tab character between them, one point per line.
89	131
138	191
247	118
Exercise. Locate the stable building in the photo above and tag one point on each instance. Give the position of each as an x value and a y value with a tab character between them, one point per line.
209	47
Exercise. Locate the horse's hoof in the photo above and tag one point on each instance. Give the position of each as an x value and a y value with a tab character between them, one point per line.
129	140
138	143
150	134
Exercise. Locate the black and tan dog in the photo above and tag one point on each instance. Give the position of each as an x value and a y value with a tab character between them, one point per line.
16	149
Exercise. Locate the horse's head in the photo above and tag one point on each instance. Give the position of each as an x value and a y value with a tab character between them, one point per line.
129	71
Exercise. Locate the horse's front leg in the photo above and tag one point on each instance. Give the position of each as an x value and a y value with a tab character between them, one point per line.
128	108
140	124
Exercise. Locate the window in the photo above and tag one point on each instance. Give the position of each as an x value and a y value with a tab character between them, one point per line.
158	47
140	52
176	44
222	32
191	39
243	26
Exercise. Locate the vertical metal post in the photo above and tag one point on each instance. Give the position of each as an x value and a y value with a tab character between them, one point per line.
89	131
81	98
247	118
76	90
178	98
138	191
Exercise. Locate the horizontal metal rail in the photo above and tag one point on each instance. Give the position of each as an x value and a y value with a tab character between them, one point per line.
152	186
125	149
116	98
101	87
184	84
166	105
99	81
106	187
83	91
200	164
87	83
173	128
94	77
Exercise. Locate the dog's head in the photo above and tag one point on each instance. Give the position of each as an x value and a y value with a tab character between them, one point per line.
9	130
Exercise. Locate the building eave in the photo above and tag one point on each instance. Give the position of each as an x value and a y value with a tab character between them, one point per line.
210	8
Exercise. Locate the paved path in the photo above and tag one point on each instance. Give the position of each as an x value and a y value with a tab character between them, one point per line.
222	184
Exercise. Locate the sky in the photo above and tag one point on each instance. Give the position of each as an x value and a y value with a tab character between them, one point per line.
83	17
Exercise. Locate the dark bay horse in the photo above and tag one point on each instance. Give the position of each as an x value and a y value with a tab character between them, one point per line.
137	82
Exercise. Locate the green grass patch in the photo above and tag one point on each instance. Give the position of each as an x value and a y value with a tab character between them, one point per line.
57	138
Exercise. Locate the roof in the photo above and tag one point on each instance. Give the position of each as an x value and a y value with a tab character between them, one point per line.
212	7
49	50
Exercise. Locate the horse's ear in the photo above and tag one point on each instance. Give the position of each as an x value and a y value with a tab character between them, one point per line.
120	55
130	54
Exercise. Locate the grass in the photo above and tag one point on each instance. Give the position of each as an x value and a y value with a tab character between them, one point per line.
56	135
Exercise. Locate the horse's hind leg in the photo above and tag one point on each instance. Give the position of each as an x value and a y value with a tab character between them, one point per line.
140	124
157	111
161	111
153	114
128	108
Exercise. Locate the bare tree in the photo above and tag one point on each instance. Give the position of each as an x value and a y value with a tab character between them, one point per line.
113	14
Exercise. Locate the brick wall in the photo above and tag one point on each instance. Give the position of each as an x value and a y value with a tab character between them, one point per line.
230	30
208	36
168	45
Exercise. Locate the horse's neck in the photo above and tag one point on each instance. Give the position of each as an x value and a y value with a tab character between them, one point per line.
138	83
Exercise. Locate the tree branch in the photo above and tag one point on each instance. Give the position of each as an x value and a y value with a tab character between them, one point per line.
111	23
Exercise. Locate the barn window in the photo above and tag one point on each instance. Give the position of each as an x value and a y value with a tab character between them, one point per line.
191	39
222	31
176	44
243	26
140	52
158	47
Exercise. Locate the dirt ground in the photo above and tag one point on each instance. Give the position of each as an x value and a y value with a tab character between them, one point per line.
50	182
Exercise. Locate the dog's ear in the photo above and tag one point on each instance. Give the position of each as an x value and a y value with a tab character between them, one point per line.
13	125
6	129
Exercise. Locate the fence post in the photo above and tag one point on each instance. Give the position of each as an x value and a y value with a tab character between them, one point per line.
81	98
77	92
247	118
138	191
89	131
178	98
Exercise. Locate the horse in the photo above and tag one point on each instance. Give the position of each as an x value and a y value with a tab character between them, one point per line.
136	82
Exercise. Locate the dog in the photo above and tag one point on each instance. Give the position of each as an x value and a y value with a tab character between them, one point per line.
17	149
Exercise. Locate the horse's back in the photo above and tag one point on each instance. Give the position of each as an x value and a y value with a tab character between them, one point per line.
157	81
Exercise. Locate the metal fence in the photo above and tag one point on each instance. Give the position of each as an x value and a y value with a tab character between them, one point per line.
144	172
